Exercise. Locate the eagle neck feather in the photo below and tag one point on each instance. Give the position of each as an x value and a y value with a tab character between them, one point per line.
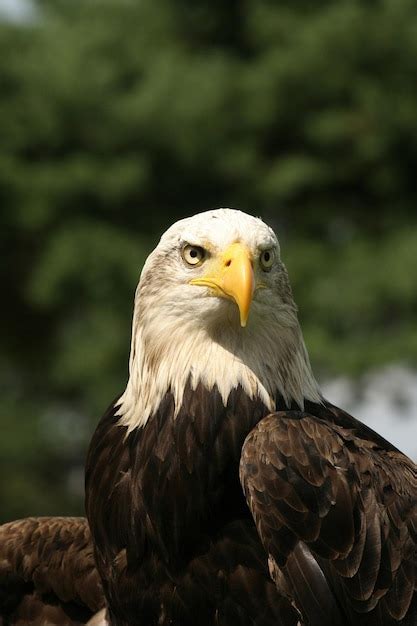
265	360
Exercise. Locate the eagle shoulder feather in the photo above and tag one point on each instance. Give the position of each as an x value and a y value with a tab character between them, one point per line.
339	502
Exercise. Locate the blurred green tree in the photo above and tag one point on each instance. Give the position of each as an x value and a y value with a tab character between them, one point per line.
118	117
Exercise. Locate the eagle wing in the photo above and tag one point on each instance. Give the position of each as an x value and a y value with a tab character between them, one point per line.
336	511
47	572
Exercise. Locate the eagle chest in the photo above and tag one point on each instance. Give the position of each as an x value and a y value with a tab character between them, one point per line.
177	478
185	468
175	515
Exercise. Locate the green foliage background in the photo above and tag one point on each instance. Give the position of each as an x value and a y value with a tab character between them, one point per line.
118	117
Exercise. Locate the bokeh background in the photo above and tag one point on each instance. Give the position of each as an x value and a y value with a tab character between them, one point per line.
118	117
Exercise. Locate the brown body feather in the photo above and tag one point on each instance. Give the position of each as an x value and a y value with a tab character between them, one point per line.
47	572
175	541
334	524
334	506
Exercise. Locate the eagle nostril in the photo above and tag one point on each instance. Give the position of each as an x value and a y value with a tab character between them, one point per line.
228	263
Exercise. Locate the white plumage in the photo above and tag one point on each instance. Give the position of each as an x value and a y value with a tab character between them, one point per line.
266	357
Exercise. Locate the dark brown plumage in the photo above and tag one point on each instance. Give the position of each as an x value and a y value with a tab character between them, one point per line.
173	535
320	484
47	572
334	506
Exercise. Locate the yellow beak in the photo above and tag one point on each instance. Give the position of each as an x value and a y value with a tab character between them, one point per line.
232	276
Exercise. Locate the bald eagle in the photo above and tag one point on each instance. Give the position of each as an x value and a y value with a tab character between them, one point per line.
221	487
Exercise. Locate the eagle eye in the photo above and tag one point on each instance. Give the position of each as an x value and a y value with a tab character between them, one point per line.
193	255
266	259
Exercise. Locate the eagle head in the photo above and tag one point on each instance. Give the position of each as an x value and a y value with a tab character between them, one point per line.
214	306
